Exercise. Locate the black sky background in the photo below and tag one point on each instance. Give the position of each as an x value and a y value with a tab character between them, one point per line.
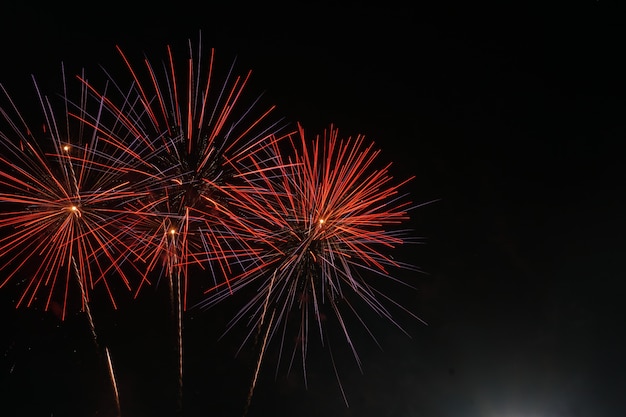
512	117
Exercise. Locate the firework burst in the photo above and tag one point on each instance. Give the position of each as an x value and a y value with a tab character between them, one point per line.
189	141
60	208
325	224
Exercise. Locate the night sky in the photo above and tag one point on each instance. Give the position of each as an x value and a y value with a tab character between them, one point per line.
513	119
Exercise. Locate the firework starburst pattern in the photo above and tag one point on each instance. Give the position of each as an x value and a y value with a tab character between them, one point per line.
61	206
323	223
173	172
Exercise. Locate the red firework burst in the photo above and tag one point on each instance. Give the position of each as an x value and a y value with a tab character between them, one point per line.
61	204
325	224
188	140
188	143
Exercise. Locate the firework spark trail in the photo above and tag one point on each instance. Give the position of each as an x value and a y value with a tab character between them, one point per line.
114	380
187	141
94	336
262	349
325	223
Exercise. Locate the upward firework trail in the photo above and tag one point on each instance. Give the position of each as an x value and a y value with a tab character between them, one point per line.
61	209
325	224
190	141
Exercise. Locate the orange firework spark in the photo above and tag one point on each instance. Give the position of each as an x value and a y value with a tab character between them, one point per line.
60	207
325	223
